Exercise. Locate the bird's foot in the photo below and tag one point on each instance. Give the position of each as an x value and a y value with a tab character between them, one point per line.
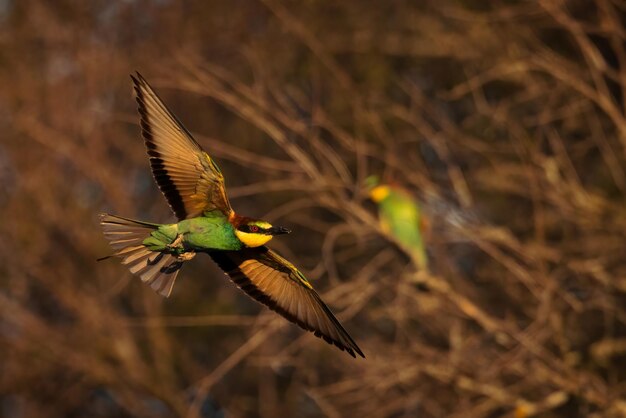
186	256
177	248
176	244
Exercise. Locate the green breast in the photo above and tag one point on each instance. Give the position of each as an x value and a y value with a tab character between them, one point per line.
401	214
212	232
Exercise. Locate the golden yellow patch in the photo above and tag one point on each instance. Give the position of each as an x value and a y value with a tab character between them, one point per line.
378	193
263	224
252	240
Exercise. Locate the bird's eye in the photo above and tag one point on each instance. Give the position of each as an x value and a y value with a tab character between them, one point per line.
254	228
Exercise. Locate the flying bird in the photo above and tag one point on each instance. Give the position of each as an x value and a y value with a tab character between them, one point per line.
400	216
194	187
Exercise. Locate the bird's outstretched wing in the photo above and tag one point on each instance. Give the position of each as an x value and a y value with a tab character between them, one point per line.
270	279
190	180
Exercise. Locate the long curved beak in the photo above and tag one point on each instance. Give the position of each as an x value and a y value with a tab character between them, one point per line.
279	230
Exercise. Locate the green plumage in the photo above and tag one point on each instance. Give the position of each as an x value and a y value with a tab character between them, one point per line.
401	217
202	234
161	238
209	233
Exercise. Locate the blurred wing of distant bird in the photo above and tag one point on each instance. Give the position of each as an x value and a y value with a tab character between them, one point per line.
270	279
190	180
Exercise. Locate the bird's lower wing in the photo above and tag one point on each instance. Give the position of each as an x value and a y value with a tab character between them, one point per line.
270	279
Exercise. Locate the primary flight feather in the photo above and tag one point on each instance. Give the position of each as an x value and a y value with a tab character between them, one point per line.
194	187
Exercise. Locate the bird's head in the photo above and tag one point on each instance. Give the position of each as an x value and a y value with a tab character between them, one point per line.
377	191
255	232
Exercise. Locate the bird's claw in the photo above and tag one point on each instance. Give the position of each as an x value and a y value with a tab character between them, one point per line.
177	248
176	244
186	256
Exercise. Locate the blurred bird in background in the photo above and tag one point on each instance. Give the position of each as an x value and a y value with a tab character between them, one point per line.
194	187
401	217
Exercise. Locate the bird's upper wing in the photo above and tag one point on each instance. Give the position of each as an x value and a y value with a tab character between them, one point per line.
270	279
190	180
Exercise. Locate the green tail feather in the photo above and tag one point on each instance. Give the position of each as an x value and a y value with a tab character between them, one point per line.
126	236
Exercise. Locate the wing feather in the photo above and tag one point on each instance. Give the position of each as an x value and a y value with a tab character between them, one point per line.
188	178
270	279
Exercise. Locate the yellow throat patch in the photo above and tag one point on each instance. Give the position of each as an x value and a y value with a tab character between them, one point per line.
250	239
379	193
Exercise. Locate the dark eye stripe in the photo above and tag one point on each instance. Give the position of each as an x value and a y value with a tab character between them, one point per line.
249	229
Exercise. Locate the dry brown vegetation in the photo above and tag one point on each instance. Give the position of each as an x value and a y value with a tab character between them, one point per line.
507	120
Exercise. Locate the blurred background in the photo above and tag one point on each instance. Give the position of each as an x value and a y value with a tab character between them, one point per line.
505	119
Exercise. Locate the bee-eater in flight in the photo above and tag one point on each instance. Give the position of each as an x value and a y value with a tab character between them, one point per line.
400	216
194	188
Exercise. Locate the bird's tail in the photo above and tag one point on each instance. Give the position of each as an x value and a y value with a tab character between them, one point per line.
126	237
